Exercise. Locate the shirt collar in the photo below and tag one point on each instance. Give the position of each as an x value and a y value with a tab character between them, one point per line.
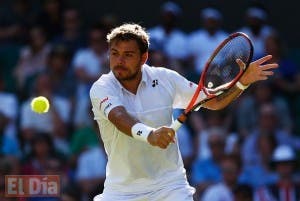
144	74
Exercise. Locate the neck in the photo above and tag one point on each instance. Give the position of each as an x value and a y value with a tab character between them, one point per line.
212	32
132	84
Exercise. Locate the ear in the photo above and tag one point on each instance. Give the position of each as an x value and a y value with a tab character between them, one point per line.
144	57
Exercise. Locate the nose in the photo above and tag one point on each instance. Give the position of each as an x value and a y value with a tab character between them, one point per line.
121	60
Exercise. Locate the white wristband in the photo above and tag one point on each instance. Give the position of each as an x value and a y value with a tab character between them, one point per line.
241	86
141	131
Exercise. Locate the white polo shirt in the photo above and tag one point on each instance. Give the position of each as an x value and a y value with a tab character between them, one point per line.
135	166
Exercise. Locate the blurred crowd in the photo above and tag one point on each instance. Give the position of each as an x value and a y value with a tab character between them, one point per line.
247	151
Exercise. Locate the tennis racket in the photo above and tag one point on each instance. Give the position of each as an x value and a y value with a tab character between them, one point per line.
220	73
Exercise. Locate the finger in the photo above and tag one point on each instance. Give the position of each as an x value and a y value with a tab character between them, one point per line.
269	66
263	77
163	144
172	135
267	73
263	59
169	138
170	132
241	64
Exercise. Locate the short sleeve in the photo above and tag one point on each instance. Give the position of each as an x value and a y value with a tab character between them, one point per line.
184	90
104	97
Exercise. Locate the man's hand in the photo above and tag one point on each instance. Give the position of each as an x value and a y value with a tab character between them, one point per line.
162	137
257	70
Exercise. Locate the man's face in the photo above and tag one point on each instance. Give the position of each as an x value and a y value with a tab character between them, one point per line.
126	59
230	171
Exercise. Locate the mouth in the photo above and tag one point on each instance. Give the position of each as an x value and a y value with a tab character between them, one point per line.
120	69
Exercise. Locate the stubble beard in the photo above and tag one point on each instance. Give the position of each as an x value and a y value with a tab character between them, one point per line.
130	77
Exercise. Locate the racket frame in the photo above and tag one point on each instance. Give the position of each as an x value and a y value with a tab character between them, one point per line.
195	107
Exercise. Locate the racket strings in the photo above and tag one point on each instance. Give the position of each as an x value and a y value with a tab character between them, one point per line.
223	68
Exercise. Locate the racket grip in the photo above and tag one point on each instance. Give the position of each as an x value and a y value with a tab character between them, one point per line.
176	125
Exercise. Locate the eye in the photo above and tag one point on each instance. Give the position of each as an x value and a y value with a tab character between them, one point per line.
113	53
129	55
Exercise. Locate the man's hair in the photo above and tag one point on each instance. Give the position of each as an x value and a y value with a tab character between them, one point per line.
130	31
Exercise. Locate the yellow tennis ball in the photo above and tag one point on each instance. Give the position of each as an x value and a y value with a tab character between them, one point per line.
40	104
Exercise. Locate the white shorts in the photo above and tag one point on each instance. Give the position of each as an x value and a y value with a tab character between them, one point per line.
176	194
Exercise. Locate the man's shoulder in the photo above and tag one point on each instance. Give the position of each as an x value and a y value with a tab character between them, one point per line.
105	80
197	33
82	52
157	70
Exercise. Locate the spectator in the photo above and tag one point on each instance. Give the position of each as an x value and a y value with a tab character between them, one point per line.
243	192
43	160
88	64
90	175
285	162
287	79
32	60
8	166
84	138
9	108
258	146
9	144
55	121
50	17
204	41
224	191
207	171
212	119
256	27
259	173
58	69
72	37
167	36
71	193
38	159
15	21
8	121
248	109
56	166
62	78
157	58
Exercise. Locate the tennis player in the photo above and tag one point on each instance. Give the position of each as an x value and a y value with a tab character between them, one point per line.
133	106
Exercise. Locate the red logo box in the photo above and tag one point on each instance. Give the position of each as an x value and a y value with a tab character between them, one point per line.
32	185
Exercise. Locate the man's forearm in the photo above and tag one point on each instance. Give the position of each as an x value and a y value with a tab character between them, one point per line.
122	120
224	99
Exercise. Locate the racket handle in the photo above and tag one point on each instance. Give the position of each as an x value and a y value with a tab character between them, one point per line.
176	125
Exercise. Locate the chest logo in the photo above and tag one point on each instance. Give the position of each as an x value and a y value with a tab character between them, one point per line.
154	83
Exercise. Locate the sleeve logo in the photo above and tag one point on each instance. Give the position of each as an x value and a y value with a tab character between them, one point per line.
106	107
103	101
